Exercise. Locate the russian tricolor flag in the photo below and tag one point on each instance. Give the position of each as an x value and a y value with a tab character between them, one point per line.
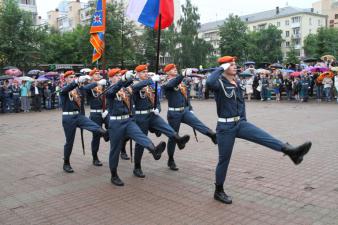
147	12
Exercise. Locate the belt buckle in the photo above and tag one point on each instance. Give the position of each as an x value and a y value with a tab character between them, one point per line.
236	119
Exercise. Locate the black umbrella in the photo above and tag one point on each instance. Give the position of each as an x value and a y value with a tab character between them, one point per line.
276	65
6	77
310	60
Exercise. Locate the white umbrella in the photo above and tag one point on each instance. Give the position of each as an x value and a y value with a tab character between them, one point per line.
25	78
85	70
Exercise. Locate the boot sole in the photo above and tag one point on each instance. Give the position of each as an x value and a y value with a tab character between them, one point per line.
185	140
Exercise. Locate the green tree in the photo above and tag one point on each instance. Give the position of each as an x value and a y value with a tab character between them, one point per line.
19	39
265	45
310	46
292	55
233	37
191	50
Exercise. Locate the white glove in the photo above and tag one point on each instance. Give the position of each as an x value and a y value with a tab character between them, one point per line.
156	78
102	82
104	114
82	79
128	76
156	112
225	66
88	77
192	111
187	72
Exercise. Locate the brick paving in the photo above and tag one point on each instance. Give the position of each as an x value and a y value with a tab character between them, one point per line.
266	187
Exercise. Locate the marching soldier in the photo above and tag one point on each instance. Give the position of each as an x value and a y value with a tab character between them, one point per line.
147	115
180	110
121	125
232	123
111	74
72	118
96	113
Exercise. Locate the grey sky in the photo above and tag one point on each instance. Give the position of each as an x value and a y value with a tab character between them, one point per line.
210	10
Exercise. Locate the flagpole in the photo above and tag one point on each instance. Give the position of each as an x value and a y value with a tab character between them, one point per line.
157	57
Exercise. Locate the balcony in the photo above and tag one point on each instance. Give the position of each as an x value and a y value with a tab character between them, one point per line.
296	24
298	46
30	8
296	36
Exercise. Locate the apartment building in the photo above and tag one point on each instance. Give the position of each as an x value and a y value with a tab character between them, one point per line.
295	24
329	8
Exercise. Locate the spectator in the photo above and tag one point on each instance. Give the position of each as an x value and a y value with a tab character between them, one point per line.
336	85
288	87
248	87
327	82
277	82
36	94
25	87
48	96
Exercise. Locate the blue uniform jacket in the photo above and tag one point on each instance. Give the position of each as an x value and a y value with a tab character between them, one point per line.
115	106
231	103
139	98
174	95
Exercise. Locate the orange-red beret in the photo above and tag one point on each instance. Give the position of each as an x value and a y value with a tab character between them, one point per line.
169	67
226	59
140	68
93	71
122	72
113	72
68	73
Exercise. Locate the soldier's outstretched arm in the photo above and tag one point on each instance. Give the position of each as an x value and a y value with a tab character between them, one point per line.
212	81
173	82
88	87
115	88
138	87
68	88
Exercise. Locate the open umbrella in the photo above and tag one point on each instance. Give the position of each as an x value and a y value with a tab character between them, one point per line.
249	63
42	78
276	65
9	67
13	72
245	74
25	78
310	60
6	77
327	57
295	74
287	71
34	72
319	69
328	74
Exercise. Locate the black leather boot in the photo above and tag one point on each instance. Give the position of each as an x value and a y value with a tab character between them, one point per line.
181	141
138	171
104	133
96	161
212	136
220	195
66	167
115	178
296	154
172	165
157	151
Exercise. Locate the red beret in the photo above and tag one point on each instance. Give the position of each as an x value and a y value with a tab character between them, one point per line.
68	73
122	72
113	72
93	71
169	67
226	59
140	68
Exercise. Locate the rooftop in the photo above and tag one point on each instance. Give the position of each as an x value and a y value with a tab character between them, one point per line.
261	16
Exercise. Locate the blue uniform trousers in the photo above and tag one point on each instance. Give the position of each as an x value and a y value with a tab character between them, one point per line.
226	134
70	123
118	131
176	118
97	118
155	122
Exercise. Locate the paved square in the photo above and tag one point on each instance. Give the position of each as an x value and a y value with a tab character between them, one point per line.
266	187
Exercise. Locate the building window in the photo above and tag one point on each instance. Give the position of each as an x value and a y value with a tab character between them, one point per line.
70	8
297	41
296	30
318	22
310	31
287	44
310	21
287	22
287	33
254	28
336	16
278	24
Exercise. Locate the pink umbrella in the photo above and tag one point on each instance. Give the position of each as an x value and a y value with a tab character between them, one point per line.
295	74
13	72
319	69
51	74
